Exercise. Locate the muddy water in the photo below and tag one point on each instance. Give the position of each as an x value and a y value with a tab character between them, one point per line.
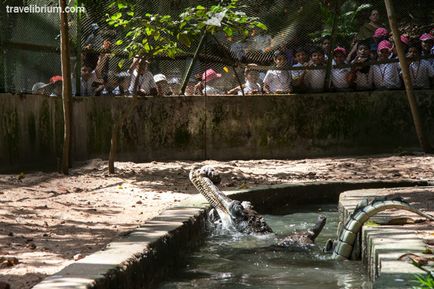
228	261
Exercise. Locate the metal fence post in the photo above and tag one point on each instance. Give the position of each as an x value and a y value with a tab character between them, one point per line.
327	80
193	61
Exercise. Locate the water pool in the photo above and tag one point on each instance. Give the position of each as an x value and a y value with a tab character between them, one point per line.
228	261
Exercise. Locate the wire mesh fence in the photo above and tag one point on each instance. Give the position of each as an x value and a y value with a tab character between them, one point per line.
309	46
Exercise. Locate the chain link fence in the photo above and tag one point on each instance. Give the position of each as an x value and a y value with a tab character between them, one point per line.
310	46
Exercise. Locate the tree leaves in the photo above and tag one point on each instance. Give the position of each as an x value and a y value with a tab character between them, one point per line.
150	35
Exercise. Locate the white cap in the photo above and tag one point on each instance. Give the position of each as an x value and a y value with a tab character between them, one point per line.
159	77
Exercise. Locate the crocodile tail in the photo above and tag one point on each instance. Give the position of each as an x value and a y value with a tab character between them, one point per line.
361	214
204	180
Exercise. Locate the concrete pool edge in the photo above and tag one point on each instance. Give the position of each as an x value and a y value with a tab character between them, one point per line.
141	258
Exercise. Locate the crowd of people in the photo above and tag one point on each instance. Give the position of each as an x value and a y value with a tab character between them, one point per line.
370	62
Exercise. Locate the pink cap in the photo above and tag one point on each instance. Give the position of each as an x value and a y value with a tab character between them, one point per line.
340	50
404	39
426	36
380	32
385	44
56	78
210	74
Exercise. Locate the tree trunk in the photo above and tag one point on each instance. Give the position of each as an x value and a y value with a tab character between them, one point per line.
114	138
66	86
423	140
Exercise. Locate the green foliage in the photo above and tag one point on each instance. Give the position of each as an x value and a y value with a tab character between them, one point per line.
347	25
149	35
144	34
424	281
228	18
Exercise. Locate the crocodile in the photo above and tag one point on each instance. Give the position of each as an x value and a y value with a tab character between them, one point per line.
344	248
235	215
240	216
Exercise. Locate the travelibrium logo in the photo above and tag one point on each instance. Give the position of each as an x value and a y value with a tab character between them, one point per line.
34	9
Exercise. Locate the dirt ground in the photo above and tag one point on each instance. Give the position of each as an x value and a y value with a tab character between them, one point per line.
47	219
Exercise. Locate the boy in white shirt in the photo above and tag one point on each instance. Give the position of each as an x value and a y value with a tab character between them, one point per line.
386	75
421	71
252	86
88	82
339	76
142	81
302	60
278	80
314	79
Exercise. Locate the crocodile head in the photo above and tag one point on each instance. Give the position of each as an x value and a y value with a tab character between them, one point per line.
234	214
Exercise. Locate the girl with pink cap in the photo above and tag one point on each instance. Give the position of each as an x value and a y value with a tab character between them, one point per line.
385	75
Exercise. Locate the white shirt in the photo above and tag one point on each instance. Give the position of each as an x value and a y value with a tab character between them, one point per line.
386	75
297	73
278	80
249	87
420	72
363	80
210	90
339	78
146	82
314	79
86	86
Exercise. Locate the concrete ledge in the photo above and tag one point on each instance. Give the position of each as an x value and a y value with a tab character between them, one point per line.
143	257
382	245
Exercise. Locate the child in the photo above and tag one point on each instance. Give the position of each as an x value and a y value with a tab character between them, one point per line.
386	75
380	34
314	79
88	82
278	80
301	58
339	76
209	79
420	69
163	87
122	81
251	86
427	41
325	44
360	72
142	81
175	86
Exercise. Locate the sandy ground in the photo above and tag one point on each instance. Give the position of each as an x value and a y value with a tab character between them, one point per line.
47	219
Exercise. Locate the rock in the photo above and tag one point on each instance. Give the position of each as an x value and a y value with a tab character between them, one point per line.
31	246
10	234
78	257
6	262
139	202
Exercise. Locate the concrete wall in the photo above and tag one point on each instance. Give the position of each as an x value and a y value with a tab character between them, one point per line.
224	127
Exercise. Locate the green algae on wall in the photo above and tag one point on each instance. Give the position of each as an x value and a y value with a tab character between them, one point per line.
45	128
11	134
100	126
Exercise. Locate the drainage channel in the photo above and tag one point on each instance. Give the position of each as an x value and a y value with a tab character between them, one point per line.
143	258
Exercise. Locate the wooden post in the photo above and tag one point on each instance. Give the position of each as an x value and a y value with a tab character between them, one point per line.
193	61
66	86
423	140
77	71
114	138
327	80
